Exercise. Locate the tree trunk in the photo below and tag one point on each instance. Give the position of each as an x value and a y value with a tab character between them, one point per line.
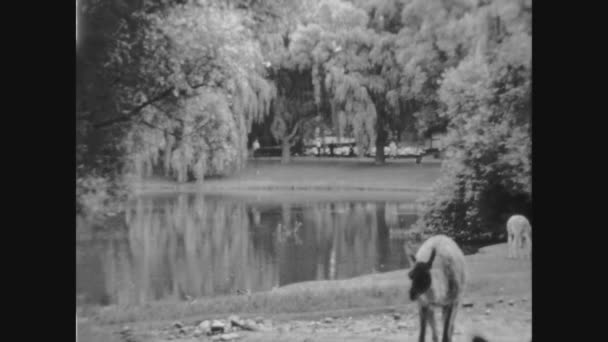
286	151
383	237
380	138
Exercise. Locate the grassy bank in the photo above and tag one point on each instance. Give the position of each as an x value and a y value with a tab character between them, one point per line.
490	274
313	174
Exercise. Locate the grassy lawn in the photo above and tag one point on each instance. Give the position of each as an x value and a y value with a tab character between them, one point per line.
309	173
490	275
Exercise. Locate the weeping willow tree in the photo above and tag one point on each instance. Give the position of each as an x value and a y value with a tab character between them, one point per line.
289	115
294	108
169	87
353	60
380	62
198	86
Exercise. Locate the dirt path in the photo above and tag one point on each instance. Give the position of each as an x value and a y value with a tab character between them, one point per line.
499	290
502	322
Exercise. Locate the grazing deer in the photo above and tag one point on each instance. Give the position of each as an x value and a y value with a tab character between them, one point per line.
438	280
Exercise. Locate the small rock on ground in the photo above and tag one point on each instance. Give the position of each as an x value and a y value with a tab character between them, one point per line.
402	325
234	318
229	337
217	327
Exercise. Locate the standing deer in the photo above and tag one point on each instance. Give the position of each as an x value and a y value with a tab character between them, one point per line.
519	232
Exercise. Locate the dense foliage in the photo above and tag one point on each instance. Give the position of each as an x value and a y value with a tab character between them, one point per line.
487	102
380	63
170	87
173	87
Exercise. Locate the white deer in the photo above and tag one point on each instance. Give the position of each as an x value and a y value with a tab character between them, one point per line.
519	232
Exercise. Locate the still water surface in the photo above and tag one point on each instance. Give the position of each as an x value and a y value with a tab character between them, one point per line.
182	246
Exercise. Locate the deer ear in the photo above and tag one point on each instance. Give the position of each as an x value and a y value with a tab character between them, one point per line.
429	263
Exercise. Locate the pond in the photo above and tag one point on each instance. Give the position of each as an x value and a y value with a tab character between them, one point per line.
182	246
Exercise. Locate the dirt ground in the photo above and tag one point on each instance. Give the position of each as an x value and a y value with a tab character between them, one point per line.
498	306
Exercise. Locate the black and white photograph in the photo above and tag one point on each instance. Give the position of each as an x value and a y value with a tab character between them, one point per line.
303	170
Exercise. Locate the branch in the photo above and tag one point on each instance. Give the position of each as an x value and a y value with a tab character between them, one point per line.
294	130
204	123
156	127
135	111
302	120
167	113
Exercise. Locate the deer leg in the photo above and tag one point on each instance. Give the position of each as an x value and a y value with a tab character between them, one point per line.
522	246
423	317
453	320
433	325
447	317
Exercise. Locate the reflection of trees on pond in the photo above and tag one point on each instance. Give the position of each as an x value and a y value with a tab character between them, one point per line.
187	246
382	243
341	240
99	253
391	215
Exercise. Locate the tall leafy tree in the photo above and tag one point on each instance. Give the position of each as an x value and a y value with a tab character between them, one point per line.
294	108
487	103
379	62
167	85
336	46
211	60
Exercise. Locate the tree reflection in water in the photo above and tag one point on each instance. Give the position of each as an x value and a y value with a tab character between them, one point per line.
180	247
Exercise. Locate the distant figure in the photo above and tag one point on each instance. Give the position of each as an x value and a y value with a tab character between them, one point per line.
318	143
256	146
419	155
393	149
519	233
256	216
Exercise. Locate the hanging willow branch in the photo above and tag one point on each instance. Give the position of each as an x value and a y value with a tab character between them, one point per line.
135	111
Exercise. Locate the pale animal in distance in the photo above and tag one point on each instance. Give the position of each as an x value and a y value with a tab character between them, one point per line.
519	237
